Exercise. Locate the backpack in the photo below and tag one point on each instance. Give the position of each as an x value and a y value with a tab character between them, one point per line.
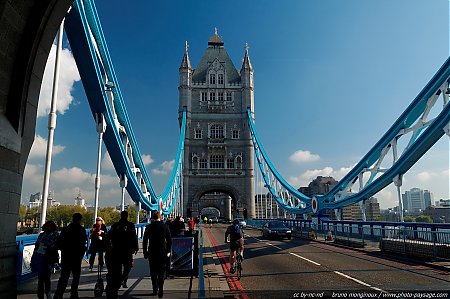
235	232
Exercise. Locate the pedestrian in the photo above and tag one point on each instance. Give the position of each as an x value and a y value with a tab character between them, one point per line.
98	242
157	249
44	257
191	224
122	243
72	243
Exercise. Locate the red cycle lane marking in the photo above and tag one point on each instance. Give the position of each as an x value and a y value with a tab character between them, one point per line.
233	283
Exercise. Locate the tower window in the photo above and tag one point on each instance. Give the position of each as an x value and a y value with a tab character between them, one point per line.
230	163
216	161
216	131
203	163
204	97
212	79
229	96
212	96
198	134
220	78
235	134
220	96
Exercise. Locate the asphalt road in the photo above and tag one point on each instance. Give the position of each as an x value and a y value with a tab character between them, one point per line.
301	268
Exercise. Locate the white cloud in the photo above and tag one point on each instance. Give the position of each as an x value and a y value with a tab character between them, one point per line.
39	148
164	168
68	76
147	159
425	176
305	178
66	182
107	163
303	157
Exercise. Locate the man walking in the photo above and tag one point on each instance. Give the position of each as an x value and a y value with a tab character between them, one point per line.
122	243
72	243
157	248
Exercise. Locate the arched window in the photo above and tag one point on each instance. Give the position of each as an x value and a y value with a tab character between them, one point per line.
238	162
216	131
194	162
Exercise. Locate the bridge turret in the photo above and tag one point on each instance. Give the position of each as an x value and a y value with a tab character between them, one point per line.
247	81
185	82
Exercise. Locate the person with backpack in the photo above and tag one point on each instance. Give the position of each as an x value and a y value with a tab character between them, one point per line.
44	257
98	242
236	241
72	243
122	244
157	246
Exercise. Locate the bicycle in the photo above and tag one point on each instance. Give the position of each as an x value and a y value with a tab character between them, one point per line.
238	264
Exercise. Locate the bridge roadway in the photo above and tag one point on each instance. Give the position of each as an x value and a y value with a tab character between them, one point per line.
278	269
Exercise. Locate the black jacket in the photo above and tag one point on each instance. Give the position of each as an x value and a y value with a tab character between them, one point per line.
72	242
157	240
98	242
122	238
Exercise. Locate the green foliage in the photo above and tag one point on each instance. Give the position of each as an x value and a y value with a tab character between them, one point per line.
408	219
22	212
424	219
109	214
132	213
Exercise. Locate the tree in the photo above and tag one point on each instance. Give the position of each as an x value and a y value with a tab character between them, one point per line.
424	219
22	214
132	213
109	214
408	219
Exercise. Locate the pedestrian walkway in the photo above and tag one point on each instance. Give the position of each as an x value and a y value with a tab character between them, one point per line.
139	283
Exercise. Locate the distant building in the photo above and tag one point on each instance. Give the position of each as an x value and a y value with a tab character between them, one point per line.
79	201
443	203
35	200
267	207
416	200
51	202
439	214
353	212
320	185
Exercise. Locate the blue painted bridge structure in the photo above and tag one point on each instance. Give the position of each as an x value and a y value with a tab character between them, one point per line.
368	176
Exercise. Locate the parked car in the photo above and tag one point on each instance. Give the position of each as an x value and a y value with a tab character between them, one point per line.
242	222
276	229
214	220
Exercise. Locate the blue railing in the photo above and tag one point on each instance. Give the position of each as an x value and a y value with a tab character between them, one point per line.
25	247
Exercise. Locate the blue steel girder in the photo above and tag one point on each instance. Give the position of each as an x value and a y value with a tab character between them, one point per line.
102	89
424	134
285	195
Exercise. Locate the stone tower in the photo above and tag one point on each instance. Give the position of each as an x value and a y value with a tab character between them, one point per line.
218	157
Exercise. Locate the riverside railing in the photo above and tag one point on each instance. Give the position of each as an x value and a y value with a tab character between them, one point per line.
424	240
25	248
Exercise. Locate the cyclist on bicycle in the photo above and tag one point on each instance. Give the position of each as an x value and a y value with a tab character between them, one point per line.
236	241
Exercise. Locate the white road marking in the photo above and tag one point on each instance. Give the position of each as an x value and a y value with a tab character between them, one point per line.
304	258
358	281
274	246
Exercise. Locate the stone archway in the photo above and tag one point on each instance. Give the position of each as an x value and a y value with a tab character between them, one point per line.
27	29
233	200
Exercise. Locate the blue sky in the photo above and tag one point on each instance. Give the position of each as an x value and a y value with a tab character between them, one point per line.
330	78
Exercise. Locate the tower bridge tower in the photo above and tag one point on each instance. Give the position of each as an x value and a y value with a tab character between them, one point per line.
218	154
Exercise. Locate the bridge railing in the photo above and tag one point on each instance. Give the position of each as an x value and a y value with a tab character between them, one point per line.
25	248
424	240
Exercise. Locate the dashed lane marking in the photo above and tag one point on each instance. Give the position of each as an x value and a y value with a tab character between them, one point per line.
304	258
358	281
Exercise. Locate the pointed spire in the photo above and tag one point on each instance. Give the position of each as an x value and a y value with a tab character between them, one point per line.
186	63
246	61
